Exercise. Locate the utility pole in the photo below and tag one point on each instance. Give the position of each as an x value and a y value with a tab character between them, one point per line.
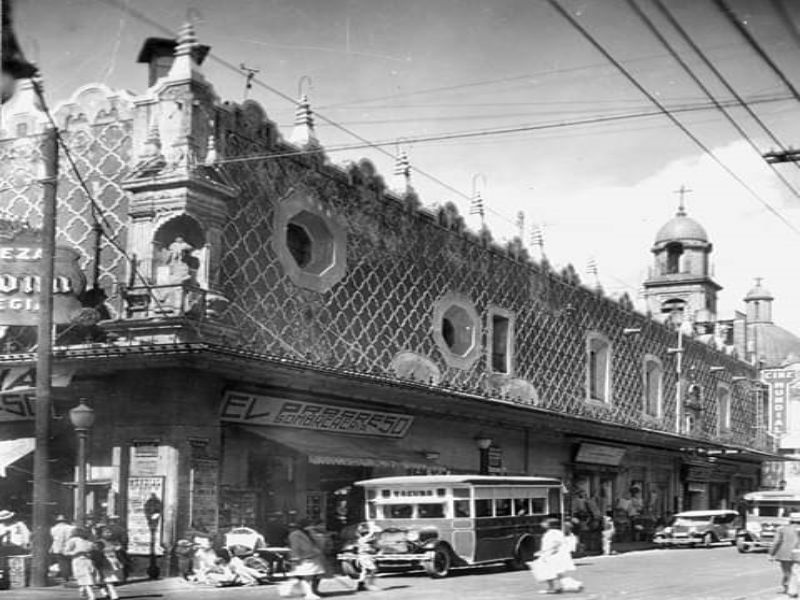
41	465
783	156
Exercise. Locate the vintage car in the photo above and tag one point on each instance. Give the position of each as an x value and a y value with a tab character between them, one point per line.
439	522
699	528
765	513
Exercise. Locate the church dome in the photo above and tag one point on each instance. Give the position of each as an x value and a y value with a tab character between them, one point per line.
775	344
681	228
759	292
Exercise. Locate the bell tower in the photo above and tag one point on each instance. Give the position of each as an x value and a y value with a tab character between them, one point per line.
680	279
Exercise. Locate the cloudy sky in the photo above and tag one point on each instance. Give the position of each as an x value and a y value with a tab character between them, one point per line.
398	70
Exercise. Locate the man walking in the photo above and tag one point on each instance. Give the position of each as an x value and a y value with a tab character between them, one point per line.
61	532
782	550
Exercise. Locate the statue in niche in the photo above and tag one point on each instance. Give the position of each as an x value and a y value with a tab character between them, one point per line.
181	263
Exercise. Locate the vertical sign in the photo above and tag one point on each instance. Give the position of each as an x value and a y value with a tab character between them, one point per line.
144	493
204	494
778	381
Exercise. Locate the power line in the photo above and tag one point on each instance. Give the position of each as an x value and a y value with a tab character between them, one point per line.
651	26
457	135
740	27
588	37
680	29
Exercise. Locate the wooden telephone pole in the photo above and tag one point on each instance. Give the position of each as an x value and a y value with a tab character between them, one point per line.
44	351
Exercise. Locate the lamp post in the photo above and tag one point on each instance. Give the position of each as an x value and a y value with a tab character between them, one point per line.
152	512
484	442
82	419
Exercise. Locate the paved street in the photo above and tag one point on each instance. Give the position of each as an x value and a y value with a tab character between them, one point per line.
717	574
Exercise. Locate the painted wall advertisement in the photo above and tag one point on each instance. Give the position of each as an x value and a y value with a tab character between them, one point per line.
20	281
204	494
145	514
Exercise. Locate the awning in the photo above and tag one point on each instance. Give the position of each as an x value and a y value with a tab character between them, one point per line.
346	450
12	450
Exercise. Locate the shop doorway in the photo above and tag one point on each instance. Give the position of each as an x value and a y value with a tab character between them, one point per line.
343	501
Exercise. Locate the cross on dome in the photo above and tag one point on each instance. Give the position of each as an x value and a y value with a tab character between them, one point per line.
682	191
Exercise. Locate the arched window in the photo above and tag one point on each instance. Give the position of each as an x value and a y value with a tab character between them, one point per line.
674	253
598	367
723	410
652	374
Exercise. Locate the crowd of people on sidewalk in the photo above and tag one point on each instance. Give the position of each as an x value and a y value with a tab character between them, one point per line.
93	555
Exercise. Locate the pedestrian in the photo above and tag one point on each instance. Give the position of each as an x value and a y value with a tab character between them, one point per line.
608	532
60	534
787	539
307	562
119	537
553	559
367	568
80	548
110	566
13	531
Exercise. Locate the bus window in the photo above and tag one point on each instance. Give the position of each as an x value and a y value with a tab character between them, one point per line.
430	511
538	506
461	509
502	507
398	511
521	507
460	492
483	508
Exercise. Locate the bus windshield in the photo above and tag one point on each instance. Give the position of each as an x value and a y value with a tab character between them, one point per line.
772	509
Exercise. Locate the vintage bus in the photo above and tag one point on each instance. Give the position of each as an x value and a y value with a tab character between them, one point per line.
765	512
439	522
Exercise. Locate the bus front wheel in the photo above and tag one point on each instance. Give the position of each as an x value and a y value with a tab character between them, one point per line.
524	553
438	563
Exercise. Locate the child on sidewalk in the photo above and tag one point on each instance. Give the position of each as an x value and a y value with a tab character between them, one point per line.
366	561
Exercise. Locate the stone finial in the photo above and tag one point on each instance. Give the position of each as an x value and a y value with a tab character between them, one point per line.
187	40
402	174
303	134
151	160
186	63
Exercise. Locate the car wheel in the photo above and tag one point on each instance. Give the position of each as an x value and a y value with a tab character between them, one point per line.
708	539
438	563
742	547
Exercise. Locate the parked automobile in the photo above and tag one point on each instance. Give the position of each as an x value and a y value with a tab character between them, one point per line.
765	513
438	522
700	528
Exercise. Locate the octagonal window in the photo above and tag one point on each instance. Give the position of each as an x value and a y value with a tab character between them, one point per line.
310	243
455	330
458	330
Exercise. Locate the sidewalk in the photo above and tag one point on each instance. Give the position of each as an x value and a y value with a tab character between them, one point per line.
139	588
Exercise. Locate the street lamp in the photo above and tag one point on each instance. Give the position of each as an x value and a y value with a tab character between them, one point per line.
484	442
82	419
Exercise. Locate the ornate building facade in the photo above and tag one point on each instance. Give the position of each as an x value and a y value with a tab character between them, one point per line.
273	327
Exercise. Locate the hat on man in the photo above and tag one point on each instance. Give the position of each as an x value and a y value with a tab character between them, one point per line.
5	515
61	519
794	517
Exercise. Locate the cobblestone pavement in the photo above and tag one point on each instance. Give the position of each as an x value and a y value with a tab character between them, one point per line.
698	574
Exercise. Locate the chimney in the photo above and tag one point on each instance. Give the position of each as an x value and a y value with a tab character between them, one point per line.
159	53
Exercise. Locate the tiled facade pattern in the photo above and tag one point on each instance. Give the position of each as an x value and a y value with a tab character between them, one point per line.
400	261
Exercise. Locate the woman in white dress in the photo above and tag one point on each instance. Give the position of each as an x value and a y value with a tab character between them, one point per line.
554	558
80	548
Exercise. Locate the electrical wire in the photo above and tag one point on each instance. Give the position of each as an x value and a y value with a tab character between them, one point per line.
726	10
599	47
658	35
685	35
459	135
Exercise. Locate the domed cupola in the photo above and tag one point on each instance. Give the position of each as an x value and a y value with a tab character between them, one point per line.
680	279
759	304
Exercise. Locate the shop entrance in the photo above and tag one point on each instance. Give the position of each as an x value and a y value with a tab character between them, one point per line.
342	502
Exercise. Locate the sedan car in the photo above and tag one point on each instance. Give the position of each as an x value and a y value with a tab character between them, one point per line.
699	528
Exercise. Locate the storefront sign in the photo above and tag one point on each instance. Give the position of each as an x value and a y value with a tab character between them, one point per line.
600	455
145	514
778	381
20	280
696	488
251	409
494	462
18	391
